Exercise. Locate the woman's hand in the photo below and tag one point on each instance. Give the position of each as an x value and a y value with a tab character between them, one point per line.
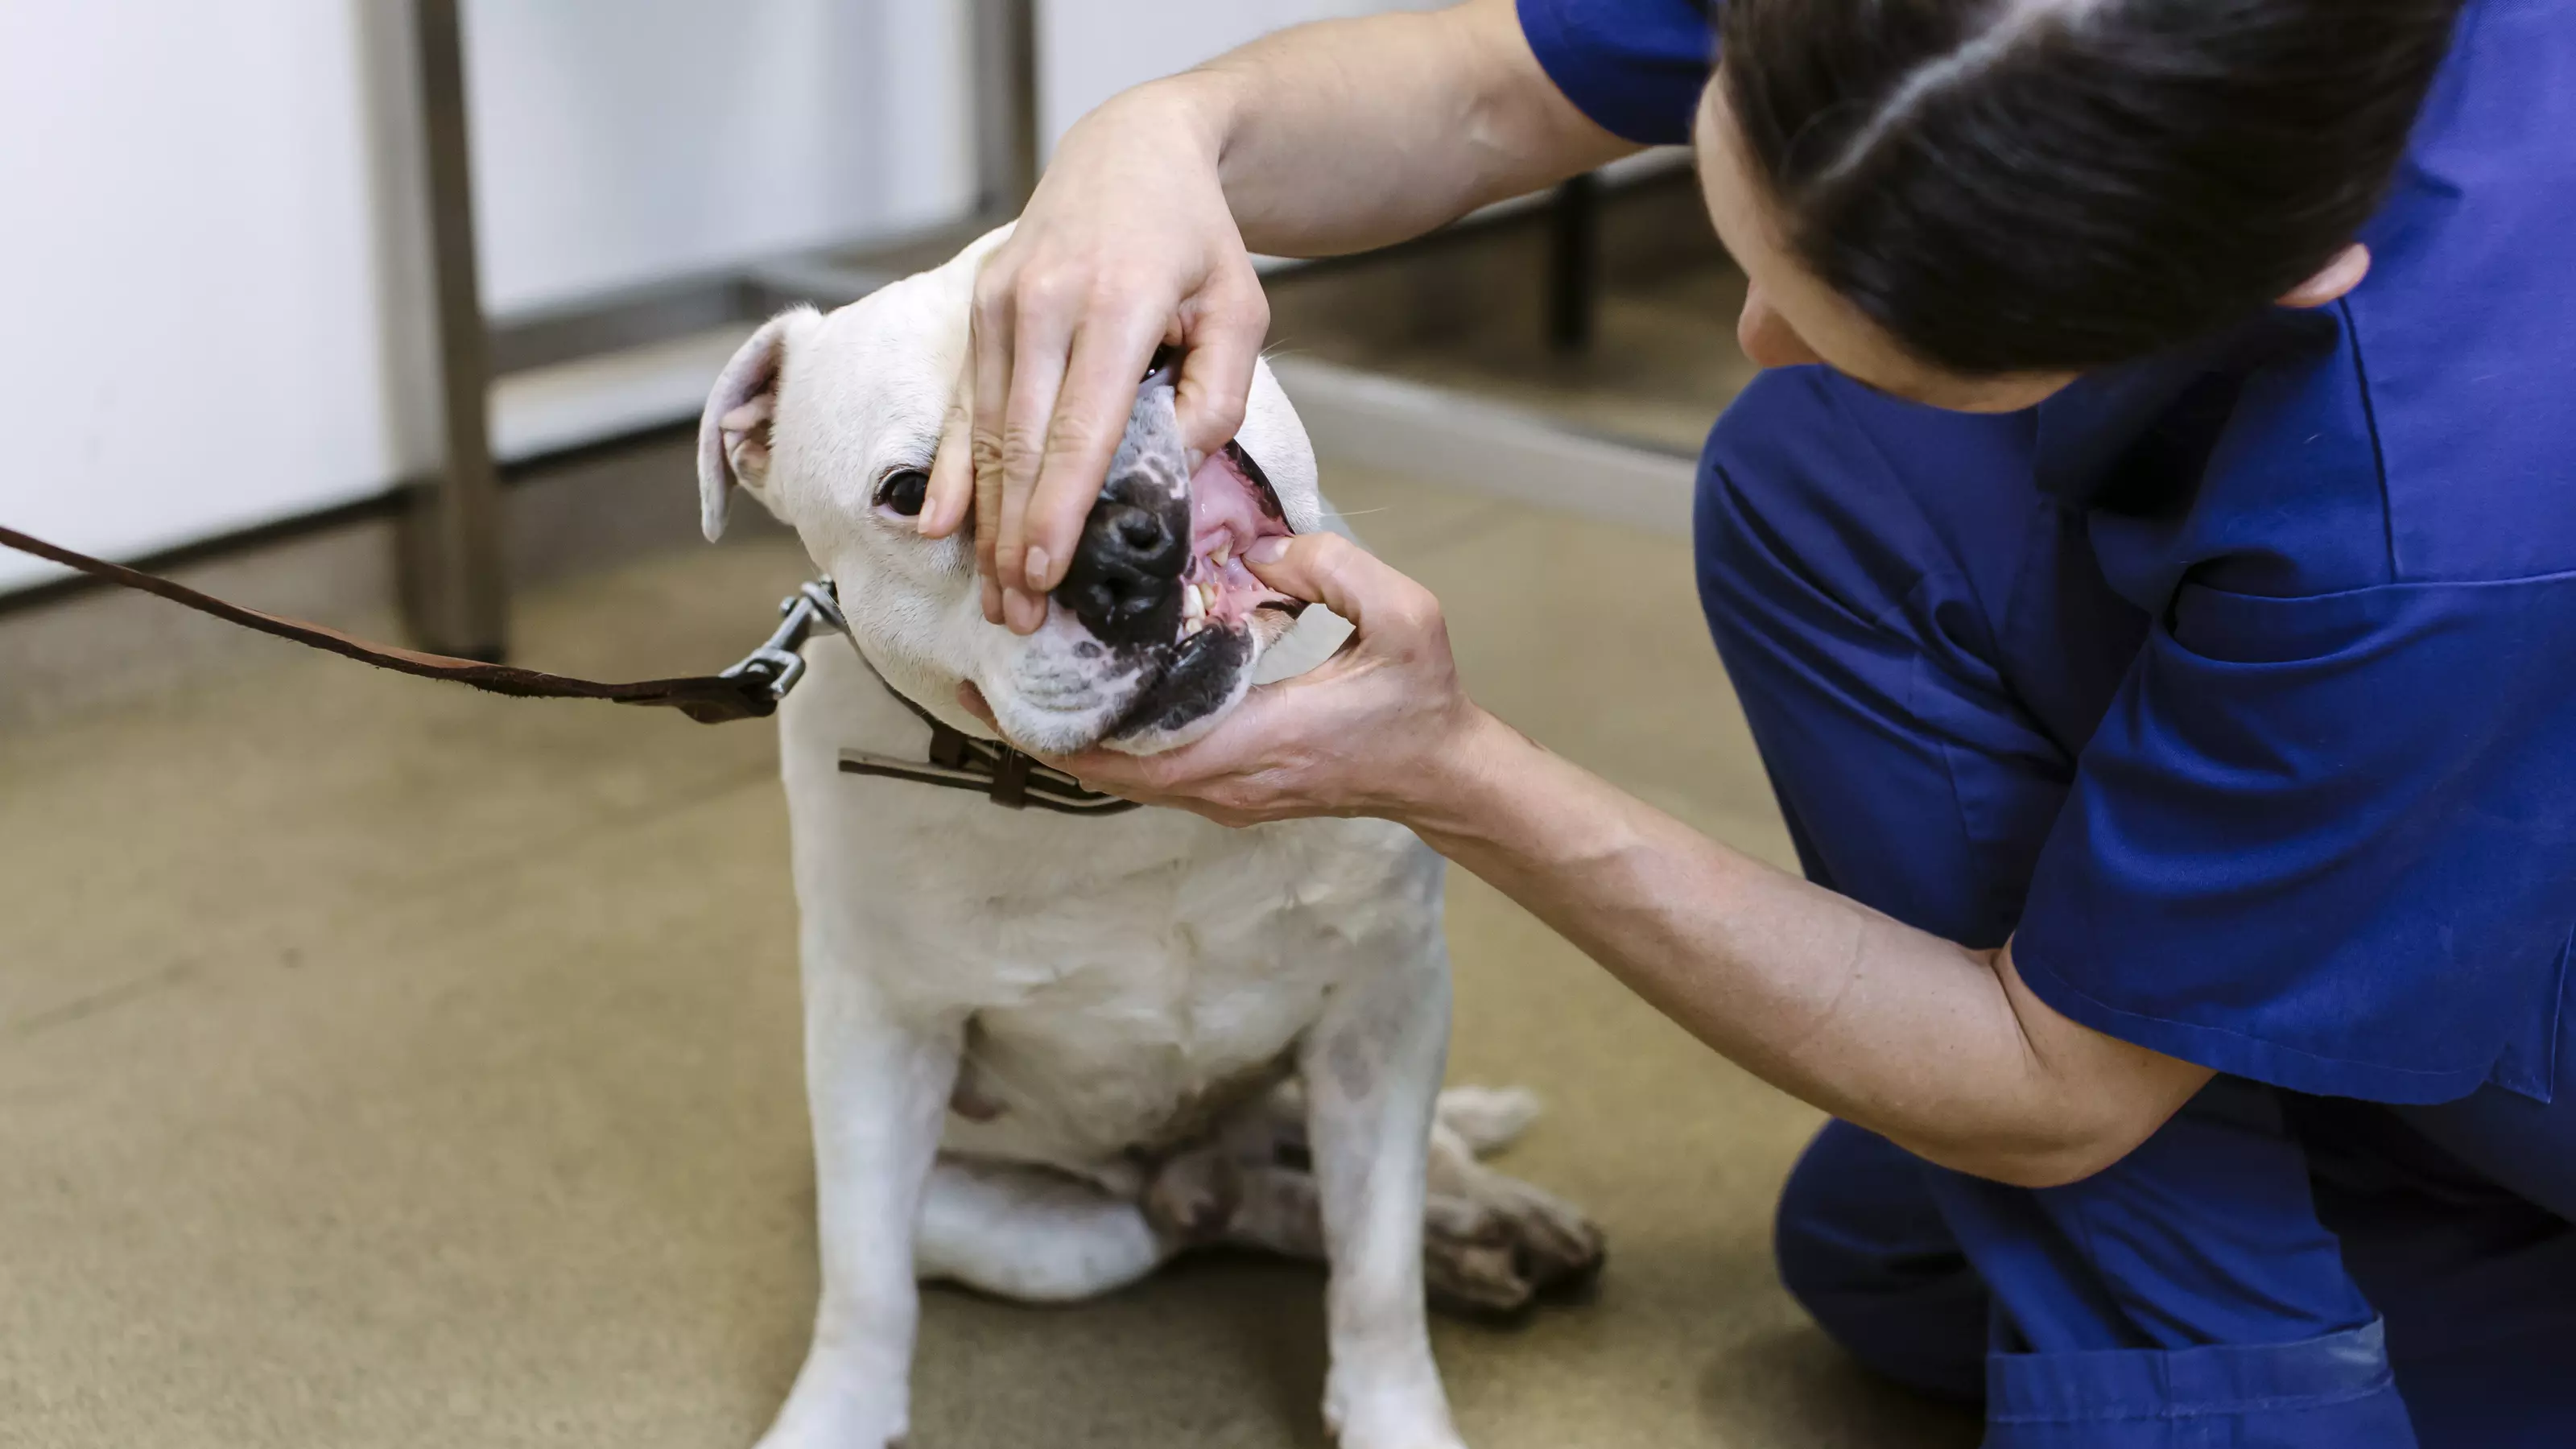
1382	728
1127	245
1317	140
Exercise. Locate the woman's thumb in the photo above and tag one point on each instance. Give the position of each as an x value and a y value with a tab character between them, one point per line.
1328	569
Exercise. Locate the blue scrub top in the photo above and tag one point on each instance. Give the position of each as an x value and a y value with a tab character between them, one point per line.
2325	837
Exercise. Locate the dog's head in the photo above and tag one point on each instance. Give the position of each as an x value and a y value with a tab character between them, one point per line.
831	422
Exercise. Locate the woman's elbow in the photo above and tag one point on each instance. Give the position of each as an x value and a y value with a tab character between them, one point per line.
2061	1166
2064	1150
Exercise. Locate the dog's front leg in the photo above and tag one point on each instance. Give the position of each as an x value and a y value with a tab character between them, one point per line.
1372	1069
878	1091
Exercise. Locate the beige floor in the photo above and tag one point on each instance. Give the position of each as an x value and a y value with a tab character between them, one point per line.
386	1065
1663	362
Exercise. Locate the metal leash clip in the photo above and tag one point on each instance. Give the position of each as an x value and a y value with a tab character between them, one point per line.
958	762
777	663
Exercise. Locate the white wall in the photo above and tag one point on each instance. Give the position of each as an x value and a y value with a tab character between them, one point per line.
188	306
208	304
1089	50
622	141
195	331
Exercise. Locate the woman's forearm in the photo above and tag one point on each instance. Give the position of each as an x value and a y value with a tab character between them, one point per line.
1935	1046
1349	134
1940	1048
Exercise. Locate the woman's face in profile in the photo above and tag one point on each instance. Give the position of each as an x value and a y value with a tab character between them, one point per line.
1792	318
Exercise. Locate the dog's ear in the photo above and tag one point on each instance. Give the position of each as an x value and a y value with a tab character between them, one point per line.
733	433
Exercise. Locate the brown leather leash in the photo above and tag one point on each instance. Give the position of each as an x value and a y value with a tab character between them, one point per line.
751	689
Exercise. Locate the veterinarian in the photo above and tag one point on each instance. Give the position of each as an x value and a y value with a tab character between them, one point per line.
2149	565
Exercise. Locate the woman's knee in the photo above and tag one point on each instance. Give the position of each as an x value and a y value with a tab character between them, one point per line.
1862	1246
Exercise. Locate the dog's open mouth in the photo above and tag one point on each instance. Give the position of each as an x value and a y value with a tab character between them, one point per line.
1223	605
1232	507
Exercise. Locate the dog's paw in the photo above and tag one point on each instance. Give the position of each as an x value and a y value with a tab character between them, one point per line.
1501	1247
1488	1119
1193	1198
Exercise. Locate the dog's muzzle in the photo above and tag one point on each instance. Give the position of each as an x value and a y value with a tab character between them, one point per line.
1124	580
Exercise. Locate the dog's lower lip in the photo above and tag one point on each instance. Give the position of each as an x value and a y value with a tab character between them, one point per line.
1191	648
1146	700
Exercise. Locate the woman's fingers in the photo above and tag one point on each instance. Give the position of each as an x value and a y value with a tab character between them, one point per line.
1224	340
1056	358
1043	328
1326	568
952	468
988	367
1194	774
1062	351
1359	735
1115	342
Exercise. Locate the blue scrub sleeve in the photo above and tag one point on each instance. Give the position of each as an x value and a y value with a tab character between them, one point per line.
2328	842
1636	67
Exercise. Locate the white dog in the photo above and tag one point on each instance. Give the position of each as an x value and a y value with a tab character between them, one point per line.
1046	1050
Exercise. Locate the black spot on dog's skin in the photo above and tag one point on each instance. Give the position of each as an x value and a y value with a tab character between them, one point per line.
1199	678
1087	650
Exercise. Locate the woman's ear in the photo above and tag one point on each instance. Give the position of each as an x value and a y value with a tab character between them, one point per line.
2339	277
734	431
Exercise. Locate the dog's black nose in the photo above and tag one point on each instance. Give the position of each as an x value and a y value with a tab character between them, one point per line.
1123	580
1123	583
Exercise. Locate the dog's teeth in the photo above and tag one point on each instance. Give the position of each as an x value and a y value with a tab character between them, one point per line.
1192	625
1223	552
1193	603
1211	595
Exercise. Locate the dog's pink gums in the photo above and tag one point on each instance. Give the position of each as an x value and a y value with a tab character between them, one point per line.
1228	512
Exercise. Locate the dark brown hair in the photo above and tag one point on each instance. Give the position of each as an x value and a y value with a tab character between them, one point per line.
2053	185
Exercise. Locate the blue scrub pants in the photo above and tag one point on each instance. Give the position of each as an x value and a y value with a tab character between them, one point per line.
1923	644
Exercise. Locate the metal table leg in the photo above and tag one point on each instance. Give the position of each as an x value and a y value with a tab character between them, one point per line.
456	581
1573	265
1005	55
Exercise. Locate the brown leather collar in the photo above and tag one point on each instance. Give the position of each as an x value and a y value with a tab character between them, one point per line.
959	761
750	689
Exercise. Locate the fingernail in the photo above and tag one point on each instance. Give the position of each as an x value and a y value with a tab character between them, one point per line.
1034	565
1267	551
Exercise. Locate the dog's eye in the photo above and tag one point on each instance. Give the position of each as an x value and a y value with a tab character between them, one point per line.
903	491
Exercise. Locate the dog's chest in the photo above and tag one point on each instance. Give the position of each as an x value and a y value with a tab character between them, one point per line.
1130	1013
1141	1041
